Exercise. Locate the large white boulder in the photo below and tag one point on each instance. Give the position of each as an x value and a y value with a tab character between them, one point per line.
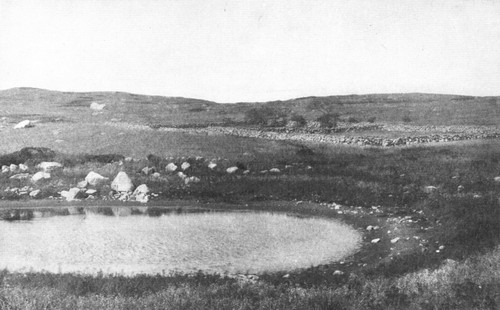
49	165
40	175
141	193
171	167
96	106
13	167
122	183
5	169
94	178
24	124
232	170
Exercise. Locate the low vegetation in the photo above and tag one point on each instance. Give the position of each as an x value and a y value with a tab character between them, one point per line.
437	205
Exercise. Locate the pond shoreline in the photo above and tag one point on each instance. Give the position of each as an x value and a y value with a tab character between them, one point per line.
368	256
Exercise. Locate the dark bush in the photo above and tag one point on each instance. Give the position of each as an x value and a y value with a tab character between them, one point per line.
265	116
406	118
299	119
352	119
328	120
371	119
34	154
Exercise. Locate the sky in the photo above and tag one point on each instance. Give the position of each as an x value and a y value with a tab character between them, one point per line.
253	50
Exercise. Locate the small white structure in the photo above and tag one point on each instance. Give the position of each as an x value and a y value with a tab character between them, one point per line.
96	106
24	124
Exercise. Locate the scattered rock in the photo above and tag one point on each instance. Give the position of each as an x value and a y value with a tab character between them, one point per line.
376	240
23	167
148	170
274	170
181	175
141	193
338	273
5	169
71	194
40	175
13	167
96	106
20	176
171	167
49	165
191	180
212	165
23	124
430	189
185	165
35	193
460	188
156	175
95	179
231	170
82	184
395	240
122	183
90	191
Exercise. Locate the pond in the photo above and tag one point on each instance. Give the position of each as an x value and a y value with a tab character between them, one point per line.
213	242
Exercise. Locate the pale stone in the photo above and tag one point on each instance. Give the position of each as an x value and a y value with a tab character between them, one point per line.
274	170
35	193
71	194
141	193
82	184
23	167
94	178
96	106
49	165
40	175
13	167
212	166
122	183
23	124
20	176
185	165
377	240
231	170
171	167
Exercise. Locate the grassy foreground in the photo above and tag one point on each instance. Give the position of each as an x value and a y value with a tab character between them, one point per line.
457	219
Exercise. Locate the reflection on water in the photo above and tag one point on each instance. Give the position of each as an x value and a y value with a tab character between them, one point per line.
187	242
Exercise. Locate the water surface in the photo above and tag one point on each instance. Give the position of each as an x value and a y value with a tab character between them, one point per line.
215	242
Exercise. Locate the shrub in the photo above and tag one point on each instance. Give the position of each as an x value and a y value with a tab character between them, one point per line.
352	119
328	120
298	119
406	118
265	116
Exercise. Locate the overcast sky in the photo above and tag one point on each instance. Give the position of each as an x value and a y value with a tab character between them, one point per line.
233	50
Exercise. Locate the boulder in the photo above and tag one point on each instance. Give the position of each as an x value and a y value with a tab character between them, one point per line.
395	240
171	167
13	167
96	106
122	183
90	191
232	170
23	167
212	165
49	165
191	180
35	193
185	165
274	170
430	189
141	193
82	184
148	170
95	179
40	175
20	176
377	240
24	124
5	169
497	179
181	175
156	175
71	194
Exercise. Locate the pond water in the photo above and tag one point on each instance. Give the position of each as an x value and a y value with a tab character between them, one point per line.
214	242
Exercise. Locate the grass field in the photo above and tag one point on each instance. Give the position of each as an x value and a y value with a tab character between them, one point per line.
447	256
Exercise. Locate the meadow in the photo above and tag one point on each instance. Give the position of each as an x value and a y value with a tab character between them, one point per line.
440	200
